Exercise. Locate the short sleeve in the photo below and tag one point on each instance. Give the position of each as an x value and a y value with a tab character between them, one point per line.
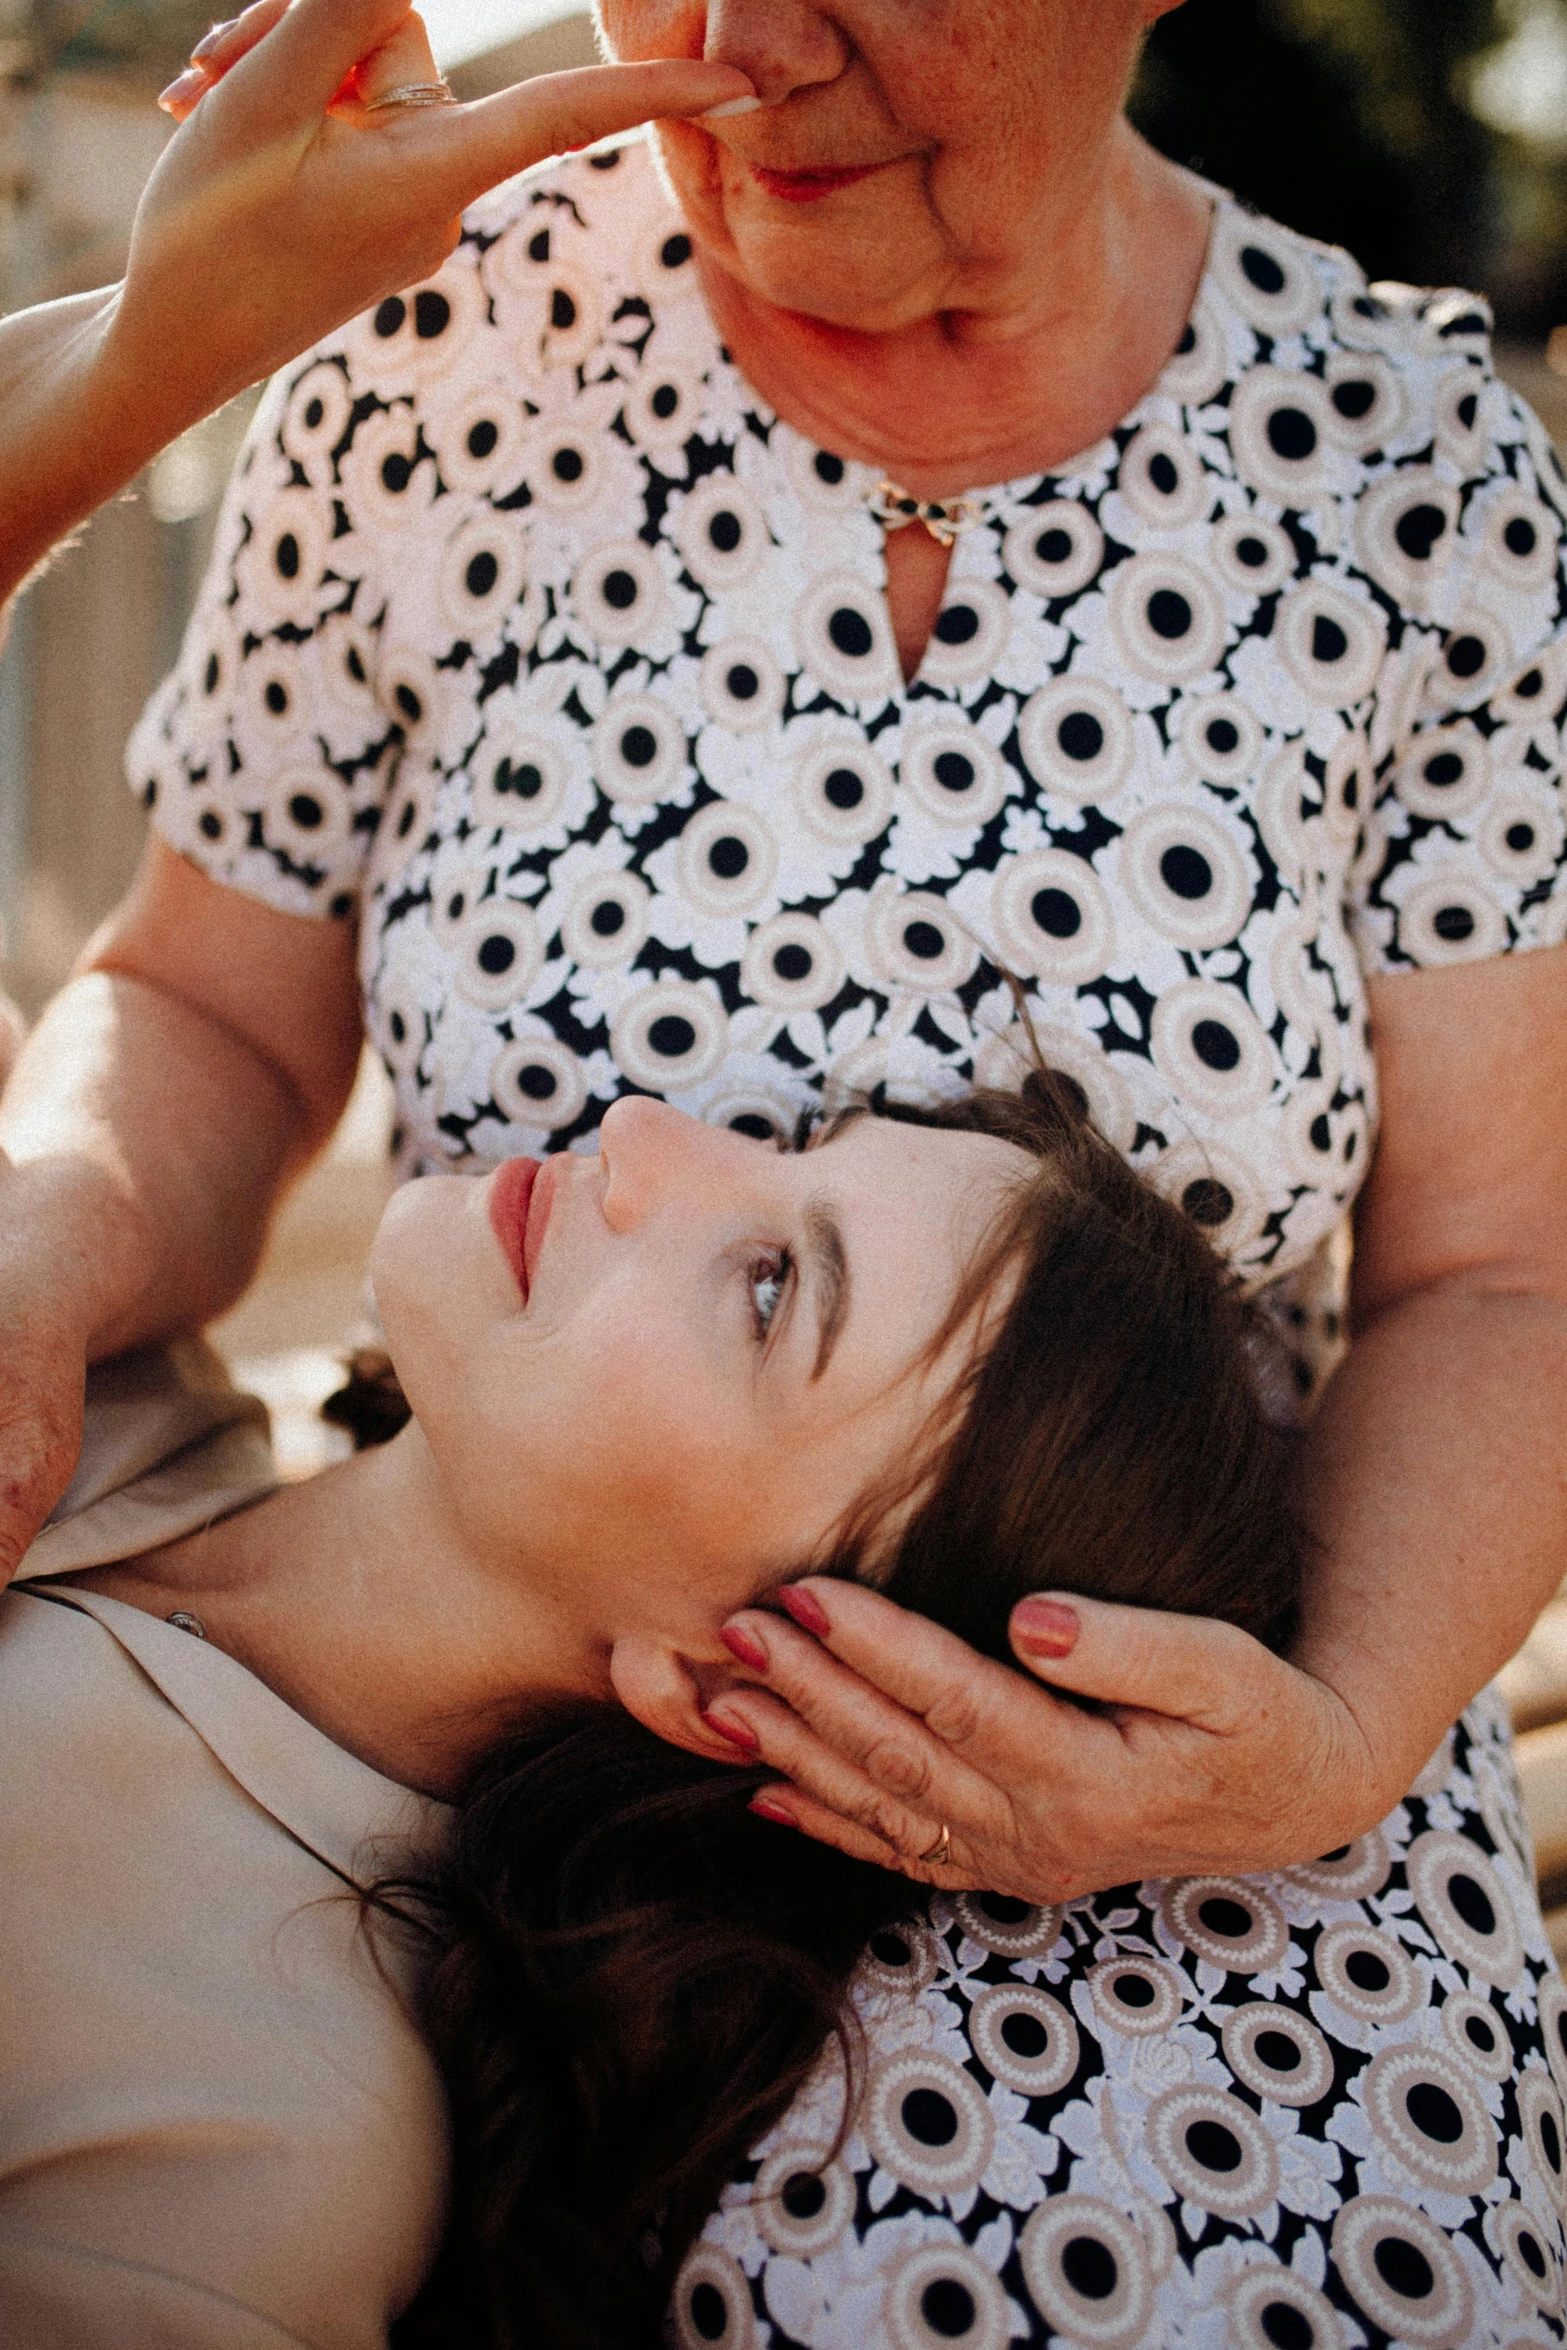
268	753
1463	853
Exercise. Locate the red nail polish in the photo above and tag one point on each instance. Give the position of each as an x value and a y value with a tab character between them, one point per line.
1045	1628
737	1732
807	1611
765	1809
746	1647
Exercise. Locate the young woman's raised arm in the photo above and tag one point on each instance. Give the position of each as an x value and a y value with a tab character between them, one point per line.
1437	1483
273	215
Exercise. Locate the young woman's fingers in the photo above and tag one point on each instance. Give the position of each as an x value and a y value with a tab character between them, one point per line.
313	47
1189	1668
558	111
228	42
215	53
404	57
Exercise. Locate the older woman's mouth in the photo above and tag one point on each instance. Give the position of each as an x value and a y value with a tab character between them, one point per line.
806	187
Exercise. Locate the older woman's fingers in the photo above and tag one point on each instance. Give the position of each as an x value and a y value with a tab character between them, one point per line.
822	1705
971	1704
789	1806
1189	1668
830	1785
887	1824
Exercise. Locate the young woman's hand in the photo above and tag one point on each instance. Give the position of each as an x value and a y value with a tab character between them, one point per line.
291	199
1206	1753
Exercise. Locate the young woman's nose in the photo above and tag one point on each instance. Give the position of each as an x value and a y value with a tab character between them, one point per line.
784	45
654	1157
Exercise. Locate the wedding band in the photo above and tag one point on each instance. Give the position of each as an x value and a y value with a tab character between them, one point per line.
437	93
940	1852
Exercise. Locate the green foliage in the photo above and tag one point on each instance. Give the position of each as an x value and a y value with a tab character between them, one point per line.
1341	117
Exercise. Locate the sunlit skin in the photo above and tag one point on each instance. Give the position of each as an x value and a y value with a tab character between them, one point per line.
663	1415
1008	273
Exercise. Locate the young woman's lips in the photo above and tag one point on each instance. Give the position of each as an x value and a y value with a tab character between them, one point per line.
806	187
540	1203
512	1188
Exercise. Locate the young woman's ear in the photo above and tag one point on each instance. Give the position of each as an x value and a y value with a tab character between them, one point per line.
667	1693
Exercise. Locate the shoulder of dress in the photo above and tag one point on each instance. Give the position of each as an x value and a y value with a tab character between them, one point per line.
1291	285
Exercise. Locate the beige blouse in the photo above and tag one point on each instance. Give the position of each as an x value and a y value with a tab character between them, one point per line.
218	2128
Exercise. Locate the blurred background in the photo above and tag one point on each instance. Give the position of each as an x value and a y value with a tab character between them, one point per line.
1429	136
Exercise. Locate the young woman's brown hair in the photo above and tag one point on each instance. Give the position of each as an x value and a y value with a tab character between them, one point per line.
634	1973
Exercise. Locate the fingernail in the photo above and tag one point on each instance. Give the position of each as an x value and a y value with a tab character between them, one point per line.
726	113
737	1732
1044	1627
806	1609
212	40
190	84
766	1809
741	1644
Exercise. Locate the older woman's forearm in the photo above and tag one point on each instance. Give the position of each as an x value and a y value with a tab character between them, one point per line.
144	1145
1437	1484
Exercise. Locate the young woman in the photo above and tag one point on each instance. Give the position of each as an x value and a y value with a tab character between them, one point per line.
957	1356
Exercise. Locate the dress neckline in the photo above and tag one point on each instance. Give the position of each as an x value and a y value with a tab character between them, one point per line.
1016	491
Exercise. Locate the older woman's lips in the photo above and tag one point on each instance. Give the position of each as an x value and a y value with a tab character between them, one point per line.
512	1188
806	187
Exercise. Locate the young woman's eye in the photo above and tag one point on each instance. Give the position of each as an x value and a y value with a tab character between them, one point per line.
769	1280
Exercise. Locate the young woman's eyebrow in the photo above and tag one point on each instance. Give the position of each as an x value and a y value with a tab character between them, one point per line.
830	1279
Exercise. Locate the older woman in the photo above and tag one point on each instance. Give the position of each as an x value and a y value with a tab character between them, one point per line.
761	594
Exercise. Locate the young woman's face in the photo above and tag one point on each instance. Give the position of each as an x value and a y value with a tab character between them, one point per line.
909	151
658	1378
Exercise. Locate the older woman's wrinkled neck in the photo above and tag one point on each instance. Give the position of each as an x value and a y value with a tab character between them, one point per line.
1014	359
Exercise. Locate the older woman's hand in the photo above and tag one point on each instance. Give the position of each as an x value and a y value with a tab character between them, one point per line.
1208	1752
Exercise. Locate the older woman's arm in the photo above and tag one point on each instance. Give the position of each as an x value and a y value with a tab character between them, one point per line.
1437	1480
204	1050
273	214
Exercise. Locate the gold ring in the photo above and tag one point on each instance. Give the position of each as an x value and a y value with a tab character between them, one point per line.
940	1852
436	93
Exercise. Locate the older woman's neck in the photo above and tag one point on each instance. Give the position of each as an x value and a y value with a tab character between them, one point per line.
1023	360
354	1597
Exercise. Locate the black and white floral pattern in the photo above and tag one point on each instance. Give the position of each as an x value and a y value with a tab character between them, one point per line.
1319	2111
534	639
535	635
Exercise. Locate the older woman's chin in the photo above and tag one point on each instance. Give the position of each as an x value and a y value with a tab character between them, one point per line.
861	256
